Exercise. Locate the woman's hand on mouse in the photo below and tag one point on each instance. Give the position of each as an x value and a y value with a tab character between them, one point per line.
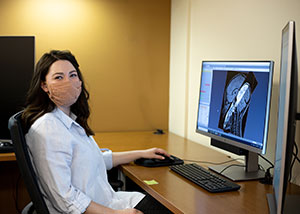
126	157
155	153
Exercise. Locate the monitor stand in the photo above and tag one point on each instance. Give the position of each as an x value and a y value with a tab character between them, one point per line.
241	173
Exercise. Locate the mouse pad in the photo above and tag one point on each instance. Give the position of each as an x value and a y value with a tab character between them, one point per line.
152	162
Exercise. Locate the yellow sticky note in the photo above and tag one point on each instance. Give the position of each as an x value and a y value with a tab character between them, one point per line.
151	182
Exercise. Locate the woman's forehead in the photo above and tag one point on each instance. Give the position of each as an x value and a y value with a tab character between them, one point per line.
61	66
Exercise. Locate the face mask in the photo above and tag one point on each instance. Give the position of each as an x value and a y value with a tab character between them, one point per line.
64	93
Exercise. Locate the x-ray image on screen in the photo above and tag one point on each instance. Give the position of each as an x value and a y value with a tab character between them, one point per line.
236	100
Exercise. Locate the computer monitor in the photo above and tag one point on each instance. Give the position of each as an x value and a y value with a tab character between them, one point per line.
233	110
286	125
16	69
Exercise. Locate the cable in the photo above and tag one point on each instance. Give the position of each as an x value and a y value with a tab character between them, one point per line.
296	153
272	165
293	161
213	163
220	163
268	179
261	167
238	166
297	158
230	166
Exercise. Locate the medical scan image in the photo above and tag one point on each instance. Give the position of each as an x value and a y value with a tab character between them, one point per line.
239	88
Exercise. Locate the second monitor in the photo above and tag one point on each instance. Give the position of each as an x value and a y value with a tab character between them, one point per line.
234	109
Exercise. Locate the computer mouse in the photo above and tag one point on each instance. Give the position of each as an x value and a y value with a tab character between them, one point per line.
154	162
166	158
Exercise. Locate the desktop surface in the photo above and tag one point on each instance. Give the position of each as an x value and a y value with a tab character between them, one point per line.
174	191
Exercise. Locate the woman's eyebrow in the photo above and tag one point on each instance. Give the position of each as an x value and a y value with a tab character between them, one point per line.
58	73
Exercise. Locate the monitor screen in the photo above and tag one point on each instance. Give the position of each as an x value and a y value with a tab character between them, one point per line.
16	69
234	102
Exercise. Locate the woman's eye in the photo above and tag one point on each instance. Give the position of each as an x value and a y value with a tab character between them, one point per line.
73	75
58	77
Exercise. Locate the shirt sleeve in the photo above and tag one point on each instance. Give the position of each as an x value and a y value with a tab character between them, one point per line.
107	155
51	155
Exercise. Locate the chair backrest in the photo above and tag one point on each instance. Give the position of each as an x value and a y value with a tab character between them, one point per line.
17	132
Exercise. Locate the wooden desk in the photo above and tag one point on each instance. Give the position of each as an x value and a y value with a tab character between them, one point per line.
7	157
174	191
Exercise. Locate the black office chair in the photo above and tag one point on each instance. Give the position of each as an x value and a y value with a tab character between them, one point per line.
38	204
17	133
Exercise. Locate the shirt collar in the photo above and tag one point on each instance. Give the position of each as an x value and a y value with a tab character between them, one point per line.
65	119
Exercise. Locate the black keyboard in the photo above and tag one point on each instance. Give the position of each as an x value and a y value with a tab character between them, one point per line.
204	178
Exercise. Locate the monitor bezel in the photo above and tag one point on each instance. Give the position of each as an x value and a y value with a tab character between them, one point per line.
289	117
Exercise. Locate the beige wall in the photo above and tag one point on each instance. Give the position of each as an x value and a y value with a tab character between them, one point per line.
122	47
233	30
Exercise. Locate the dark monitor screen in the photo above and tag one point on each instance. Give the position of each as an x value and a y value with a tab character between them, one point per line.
16	69
234	102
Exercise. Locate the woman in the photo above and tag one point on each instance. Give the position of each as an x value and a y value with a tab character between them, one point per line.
70	167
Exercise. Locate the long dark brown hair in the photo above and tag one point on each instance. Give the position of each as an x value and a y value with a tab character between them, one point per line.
38	103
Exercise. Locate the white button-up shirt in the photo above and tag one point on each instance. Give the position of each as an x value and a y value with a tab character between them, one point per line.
70	167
